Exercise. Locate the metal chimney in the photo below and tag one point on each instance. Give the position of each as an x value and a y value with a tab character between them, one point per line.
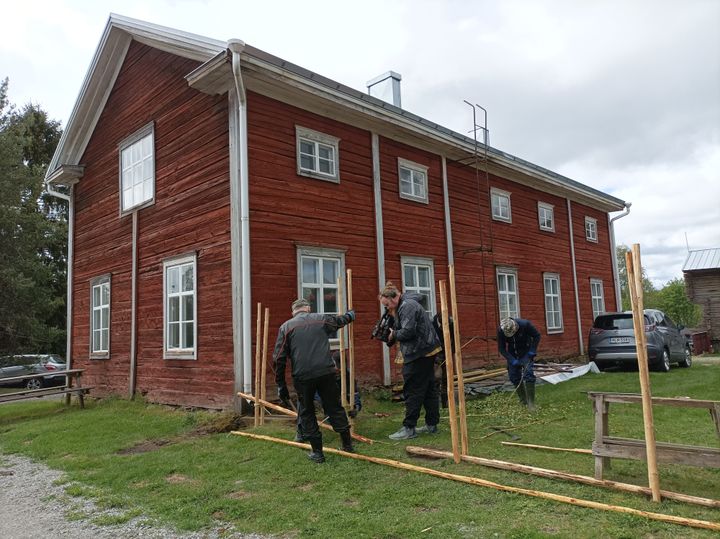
386	87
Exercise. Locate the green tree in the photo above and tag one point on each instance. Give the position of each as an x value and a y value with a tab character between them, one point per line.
673	300
649	291
33	234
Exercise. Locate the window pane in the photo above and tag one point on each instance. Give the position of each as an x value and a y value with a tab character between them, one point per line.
424	276
307	148
97	319
409	272
188	336
104	312
104	339
187	306
96	341
96	296
311	294
326	152
173	278
174	309
307	162
325	166
188	283
105	288
127	198
330	301
310	271
330	271
174	336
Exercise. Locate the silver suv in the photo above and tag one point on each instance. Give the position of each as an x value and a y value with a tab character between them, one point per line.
612	341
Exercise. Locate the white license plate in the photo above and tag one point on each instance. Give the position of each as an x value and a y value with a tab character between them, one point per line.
619	340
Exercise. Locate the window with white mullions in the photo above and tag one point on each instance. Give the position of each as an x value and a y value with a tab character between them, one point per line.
546	217
413	181
500	205
100	317
508	293
598	297
319	270
137	169
553	305
418	277
591	229
317	154
180	308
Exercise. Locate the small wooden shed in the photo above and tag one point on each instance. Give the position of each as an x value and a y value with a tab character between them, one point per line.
702	282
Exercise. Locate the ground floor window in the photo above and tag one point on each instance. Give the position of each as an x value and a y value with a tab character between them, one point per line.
100	317
598	297
318	273
553	305
418	277
180	307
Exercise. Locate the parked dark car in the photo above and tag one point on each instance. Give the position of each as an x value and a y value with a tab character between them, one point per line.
32	364
612	341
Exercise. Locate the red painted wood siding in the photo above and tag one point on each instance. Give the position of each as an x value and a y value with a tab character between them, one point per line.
191	214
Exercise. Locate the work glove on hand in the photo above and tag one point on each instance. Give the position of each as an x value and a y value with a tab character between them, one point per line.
351	315
515	362
283	393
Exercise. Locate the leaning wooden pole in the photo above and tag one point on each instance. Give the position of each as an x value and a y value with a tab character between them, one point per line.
351	346
549	448
450	371
704	524
341	337
258	348
263	367
458	364
290	413
634	273
555	474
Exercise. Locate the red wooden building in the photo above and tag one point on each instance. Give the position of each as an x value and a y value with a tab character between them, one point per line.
206	176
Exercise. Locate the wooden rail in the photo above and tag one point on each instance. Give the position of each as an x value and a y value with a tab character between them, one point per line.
72	376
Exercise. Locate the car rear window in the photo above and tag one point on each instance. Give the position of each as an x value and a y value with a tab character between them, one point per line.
618	321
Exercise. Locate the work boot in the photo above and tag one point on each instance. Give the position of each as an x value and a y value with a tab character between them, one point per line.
427	429
299	436
530	393
405	433
347	444
522	395
317	455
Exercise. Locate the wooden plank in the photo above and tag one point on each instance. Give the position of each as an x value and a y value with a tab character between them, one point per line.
627	448
634	398
497	486
41	375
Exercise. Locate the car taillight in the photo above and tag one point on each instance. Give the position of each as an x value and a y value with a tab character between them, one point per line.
50	367
596	331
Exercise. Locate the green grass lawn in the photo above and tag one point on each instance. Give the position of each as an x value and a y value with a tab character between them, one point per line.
169	466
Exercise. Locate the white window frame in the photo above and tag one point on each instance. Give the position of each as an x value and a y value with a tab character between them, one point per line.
503	274
180	352
597	295
416	171
323	253
318	140
495	196
99	283
554	315
136	141
545	209
415	263
591	231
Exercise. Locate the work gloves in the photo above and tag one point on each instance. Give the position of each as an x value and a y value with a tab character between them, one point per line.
351	314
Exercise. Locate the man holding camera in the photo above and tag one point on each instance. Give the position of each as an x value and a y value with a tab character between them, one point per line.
518	340
419	345
304	339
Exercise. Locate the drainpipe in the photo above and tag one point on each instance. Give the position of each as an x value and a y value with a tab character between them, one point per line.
379	239
575	281
448	223
616	276
70	199
239	192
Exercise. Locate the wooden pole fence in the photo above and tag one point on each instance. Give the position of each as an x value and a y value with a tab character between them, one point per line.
695	523
290	413
554	474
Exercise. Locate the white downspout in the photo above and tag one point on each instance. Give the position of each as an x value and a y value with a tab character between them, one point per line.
243	318
575	281
616	276
448	223
380	240
70	199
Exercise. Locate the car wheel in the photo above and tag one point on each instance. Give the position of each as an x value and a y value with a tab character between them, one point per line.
601	365
664	365
687	360
34	383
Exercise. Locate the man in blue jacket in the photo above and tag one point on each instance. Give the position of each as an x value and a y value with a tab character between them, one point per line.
518	340
419	344
304	340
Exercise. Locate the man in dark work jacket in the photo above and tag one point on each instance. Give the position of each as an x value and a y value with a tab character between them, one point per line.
304	340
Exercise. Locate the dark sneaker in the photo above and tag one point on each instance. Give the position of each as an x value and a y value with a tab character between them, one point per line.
405	433
316	456
427	429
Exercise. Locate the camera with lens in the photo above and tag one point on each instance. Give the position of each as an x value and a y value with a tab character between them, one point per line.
381	330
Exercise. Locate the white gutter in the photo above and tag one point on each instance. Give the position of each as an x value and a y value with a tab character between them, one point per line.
446	203
380	241
70	199
240	239
613	254
575	281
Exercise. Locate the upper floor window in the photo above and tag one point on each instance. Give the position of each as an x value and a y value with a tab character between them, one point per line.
137	169
591	229
100	317
553	305
508	297
317	155
418	277
180	307
500	200
598	297
318	273
546	216
413	181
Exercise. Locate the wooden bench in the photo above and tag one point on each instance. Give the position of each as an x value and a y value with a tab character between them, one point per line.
72	386
606	446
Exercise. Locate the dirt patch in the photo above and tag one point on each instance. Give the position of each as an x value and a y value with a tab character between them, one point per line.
145	446
239	495
180	479
306	487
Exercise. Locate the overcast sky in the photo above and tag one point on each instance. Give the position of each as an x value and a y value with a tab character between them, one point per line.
623	96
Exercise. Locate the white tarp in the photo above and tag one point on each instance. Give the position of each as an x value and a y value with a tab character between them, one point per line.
571	373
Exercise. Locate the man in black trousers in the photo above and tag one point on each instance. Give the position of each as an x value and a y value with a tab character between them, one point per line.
304	340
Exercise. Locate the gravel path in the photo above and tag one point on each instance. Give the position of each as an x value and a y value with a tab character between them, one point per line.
33	507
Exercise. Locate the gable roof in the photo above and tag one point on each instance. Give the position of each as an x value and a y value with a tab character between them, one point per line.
120	31
702	259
